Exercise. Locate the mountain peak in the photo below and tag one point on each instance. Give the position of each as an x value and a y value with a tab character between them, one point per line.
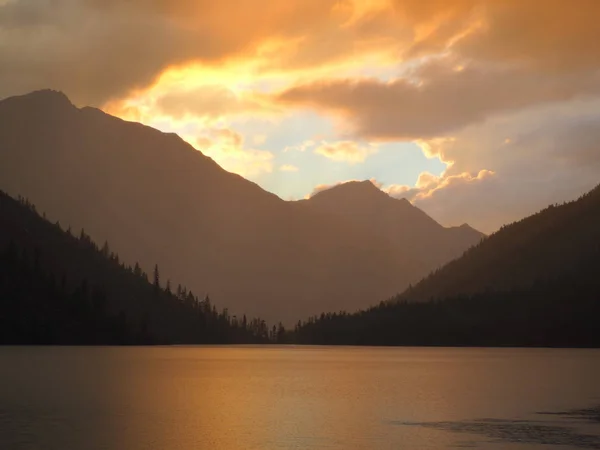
352	190
358	184
44	98
49	95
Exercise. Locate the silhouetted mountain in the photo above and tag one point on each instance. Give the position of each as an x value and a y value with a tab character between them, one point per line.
56	288
538	248
157	199
534	283
412	232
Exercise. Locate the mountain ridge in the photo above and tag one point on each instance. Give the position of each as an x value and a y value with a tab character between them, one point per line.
157	199
532	283
506	255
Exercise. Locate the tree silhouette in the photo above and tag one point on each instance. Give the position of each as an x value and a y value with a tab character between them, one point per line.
156	278
105	249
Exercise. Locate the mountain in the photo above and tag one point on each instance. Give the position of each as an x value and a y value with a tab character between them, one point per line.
156	199
532	283
56	288
412	232
538	248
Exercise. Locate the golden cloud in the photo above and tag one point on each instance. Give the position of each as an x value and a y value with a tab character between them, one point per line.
99	50
288	168
104	50
226	147
346	151
300	147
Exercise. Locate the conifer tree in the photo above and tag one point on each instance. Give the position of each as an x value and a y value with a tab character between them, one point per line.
156	278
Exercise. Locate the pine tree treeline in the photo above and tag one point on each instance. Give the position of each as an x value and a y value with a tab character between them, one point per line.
38	308
56	288
563	313
533	283
539	247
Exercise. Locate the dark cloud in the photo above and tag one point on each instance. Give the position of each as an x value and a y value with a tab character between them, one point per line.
100	50
436	99
512	167
549	35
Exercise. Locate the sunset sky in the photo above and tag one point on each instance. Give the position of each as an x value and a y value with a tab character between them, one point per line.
476	111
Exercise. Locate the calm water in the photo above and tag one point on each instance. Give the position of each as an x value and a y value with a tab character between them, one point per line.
227	398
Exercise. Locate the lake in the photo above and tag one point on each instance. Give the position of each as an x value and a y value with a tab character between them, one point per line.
284	397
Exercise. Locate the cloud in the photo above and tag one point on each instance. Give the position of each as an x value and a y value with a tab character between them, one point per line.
288	168
511	167
436	99
488	200
259	139
457	199
428	184
226	147
551	35
211	101
300	147
346	151
100	50
560	137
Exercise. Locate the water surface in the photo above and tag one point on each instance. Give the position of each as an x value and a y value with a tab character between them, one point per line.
224	398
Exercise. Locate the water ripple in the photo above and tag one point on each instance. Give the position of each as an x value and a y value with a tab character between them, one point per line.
527	431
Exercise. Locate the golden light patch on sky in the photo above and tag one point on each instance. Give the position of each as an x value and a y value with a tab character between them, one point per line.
433	148
237	78
228	149
194	98
288	168
248	79
346	151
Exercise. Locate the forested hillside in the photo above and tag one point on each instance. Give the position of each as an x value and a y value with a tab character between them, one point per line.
541	247
534	283
57	288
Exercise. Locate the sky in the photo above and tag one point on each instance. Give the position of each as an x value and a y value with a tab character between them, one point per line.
478	112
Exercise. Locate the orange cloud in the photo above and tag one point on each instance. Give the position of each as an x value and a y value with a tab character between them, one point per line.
125	46
212	101
300	147
428	184
453	199
346	151
549	35
226	147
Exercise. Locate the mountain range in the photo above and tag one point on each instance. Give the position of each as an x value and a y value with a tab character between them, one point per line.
156	199
532	283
